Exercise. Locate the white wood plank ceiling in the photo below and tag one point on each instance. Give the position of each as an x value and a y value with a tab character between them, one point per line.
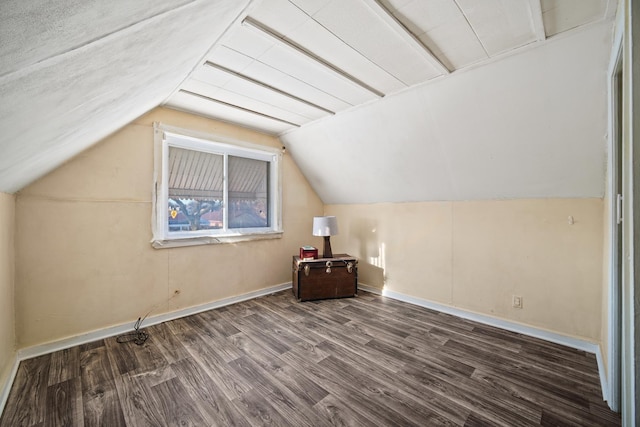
291	62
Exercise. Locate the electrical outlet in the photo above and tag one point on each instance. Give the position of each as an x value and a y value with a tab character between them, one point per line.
517	301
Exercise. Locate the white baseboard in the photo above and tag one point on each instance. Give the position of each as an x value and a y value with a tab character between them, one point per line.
579	344
50	347
604	384
369	289
38	350
6	387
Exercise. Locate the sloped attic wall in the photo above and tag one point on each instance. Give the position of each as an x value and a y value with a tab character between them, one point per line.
72	72
84	260
478	187
530	125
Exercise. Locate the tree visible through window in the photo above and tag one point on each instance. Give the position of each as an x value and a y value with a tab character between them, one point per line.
196	191
216	189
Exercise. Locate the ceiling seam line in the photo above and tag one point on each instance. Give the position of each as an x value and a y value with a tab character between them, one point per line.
222	88
263	29
537	20
353	48
248	110
219	38
256	60
266	86
464	15
396	25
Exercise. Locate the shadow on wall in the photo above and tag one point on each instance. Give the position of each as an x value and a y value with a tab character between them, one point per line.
365	235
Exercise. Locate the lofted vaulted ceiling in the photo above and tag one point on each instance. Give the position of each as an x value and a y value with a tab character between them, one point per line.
291	62
72	72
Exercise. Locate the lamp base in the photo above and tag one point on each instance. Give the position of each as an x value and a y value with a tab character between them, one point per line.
327	248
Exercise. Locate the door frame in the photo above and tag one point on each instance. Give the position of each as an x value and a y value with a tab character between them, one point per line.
612	390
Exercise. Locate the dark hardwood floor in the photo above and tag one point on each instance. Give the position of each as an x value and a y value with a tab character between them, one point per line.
368	361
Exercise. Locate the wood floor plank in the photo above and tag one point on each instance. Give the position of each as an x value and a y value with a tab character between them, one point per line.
215	407
121	356
258	335
282	317
64	403
137	402
99	396
214	366
340	413
225	351
65	365
516	388
541	374
363	361
258	411
412	389
170	346
401	410
174	404
493	406
308	391
284	400
27	402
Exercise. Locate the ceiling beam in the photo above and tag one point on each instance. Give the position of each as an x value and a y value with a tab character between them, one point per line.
472	28
283	41
266	86
407	36
536	20
237	107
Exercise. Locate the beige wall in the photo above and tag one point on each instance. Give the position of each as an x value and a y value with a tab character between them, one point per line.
477	255
7	323
83	255
84	260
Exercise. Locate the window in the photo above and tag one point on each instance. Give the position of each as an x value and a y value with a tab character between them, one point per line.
211	191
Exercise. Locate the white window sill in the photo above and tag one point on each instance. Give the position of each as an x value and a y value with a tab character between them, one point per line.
214	240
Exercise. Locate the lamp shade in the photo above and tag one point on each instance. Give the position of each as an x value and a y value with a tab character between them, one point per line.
325	226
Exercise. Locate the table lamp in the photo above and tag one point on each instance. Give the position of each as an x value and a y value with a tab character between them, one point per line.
325	226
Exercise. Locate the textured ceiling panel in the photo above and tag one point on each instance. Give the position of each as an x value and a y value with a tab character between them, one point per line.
250	89
532	125
500	25
257	101
248	41
316	75
563	15
216	110
72	71
323	43
55	109
442	27
289	61
357	25
293	23
33	31
280	14
270	76
332	55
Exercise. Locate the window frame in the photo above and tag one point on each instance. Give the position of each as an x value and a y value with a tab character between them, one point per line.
169	136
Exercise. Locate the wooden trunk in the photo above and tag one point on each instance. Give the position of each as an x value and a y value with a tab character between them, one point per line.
335	277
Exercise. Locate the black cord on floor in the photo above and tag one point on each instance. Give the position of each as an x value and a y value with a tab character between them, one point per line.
138	336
